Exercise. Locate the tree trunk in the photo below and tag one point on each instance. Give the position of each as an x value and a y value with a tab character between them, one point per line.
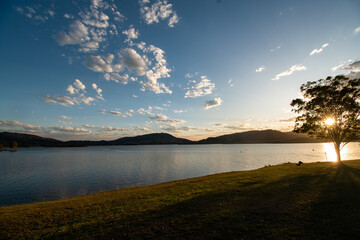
337	150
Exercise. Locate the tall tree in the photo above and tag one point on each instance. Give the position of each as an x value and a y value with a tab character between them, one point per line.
329	110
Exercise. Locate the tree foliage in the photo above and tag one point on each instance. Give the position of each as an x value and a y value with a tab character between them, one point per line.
336	98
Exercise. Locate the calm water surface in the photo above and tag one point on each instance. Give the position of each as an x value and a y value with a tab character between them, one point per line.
43	174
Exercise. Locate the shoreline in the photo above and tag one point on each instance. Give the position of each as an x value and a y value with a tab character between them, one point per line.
279	199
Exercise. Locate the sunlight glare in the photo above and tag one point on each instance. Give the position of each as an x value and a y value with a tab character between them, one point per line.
330	154
329	121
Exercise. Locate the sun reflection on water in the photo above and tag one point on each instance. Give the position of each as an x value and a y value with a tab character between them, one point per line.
330	153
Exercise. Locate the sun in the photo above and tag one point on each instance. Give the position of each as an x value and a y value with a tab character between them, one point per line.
329	121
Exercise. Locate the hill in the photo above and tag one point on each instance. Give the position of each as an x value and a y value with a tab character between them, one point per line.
27	140
313	201
147	139
265	136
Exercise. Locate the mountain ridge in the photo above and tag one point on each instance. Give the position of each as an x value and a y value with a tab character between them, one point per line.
258	136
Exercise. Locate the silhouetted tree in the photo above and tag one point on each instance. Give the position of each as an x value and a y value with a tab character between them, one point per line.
330	110
14	145
1	147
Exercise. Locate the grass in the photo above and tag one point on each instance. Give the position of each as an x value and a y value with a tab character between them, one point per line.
313	201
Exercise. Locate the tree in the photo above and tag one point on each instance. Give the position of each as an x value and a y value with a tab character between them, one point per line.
14	145
329	110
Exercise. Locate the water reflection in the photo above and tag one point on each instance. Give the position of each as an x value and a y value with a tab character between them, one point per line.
330	153
42	174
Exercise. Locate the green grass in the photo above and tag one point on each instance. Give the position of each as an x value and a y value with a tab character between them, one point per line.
313	201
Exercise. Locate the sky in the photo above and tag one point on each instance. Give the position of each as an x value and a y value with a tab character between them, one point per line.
104	69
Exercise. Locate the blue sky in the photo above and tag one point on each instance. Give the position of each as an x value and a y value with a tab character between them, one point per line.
107	69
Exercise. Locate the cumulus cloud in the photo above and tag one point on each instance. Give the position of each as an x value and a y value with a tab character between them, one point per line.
316	51
260	69
337	67
102	111
77	34
60	100
98	90
77	90
13	125
357	30
179	111
91	28
189	75
353	66
130	34
102	64
159	70
119	78
204	87
212	103
120	114
73	130
160	10
64	117
165	119
133	61
36	13
230	82
354	69
291	70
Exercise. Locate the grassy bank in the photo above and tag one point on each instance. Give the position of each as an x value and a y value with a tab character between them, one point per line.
313	201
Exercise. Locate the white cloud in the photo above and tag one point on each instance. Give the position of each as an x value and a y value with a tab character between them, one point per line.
179	111
79	85
133	61
357	30
98	64
90	126
135	96
36	13
61	100
230	82
64	117
63	122
160	10
260	69
212	103
291	70
98	90
316	51
353	66
337	67
131	33
73	130
92	28
204	87
78	33
159	70
355	69
13	125
70	89
102	111
68	16
189	75
77	89
120	114
165	119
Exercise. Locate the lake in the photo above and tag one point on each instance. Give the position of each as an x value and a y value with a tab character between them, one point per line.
43	174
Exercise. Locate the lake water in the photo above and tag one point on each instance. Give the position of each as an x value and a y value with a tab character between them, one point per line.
43	174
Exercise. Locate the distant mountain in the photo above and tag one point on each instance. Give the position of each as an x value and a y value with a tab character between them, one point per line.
153	138
27	140
147	139
265	136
